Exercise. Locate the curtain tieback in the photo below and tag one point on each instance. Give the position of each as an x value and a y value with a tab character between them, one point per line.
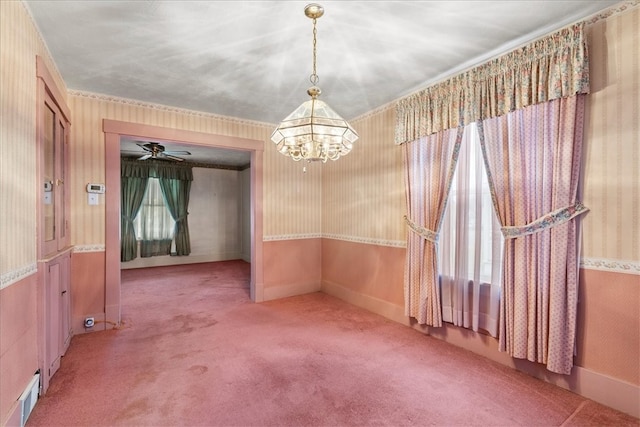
557	217
427	234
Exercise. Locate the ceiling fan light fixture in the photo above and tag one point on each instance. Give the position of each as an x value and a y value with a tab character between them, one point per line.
314	131
157	151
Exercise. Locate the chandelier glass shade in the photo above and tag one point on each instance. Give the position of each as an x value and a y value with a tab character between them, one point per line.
313	131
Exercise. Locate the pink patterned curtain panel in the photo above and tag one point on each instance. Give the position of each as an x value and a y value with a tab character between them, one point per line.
430	164
533	157
554	67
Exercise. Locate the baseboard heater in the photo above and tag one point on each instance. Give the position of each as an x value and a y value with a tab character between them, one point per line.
28	399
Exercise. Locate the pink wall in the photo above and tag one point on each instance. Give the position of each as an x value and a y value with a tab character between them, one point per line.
291	267
87	289
18	338
371	270
608	331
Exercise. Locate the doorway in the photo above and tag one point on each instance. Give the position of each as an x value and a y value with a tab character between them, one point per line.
114	132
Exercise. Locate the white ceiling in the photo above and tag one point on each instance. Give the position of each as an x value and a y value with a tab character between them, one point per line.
198	154
252	59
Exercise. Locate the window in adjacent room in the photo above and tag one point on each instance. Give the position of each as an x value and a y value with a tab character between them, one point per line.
154	225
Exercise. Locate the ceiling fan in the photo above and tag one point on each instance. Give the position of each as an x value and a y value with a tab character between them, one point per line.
157	151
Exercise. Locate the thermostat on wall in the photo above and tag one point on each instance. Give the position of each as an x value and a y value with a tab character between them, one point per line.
95	188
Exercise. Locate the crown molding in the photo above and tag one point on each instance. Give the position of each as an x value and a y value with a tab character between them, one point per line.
165	108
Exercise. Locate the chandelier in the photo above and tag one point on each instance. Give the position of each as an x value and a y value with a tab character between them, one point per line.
313	131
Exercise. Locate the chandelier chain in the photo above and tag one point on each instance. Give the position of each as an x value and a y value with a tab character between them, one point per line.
314	77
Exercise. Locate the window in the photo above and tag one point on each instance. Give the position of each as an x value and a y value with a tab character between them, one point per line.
470	244
154	224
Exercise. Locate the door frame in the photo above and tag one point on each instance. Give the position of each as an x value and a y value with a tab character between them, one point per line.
114	130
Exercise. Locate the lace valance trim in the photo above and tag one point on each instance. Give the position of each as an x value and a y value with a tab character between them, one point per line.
557	217
427	234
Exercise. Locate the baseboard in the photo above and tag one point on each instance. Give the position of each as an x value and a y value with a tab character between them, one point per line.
163	261
611	392
257	291
289	290
375	305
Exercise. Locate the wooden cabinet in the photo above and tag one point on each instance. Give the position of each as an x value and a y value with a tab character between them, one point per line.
56	311
54	251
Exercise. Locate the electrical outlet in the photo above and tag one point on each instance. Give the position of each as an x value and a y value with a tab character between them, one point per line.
89	322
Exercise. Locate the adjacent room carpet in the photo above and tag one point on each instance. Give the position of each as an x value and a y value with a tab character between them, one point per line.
194	351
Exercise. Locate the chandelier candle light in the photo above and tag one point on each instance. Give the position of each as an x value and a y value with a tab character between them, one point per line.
314	131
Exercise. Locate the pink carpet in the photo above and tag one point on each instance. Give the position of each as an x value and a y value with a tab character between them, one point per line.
194	351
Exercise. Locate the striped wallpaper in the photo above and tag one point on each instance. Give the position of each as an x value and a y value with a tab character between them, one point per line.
612	168
292	198
363	193
20	42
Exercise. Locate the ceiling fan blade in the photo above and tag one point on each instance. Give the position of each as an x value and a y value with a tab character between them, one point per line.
166	156
145	157
184	153
144	146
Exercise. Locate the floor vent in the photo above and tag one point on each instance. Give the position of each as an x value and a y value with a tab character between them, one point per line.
28	398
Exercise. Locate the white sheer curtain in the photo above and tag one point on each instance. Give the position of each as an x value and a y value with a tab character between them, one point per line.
154	224
471	245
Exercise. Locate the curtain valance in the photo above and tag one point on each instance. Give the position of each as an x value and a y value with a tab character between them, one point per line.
155	169
553	67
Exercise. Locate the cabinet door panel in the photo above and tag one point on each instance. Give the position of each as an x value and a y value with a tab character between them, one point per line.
52	284
65	304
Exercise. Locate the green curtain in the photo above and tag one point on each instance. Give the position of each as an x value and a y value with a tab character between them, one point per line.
176	195
131	195
155	169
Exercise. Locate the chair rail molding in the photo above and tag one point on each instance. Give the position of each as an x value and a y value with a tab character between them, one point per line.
89	248
14	276
612	265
